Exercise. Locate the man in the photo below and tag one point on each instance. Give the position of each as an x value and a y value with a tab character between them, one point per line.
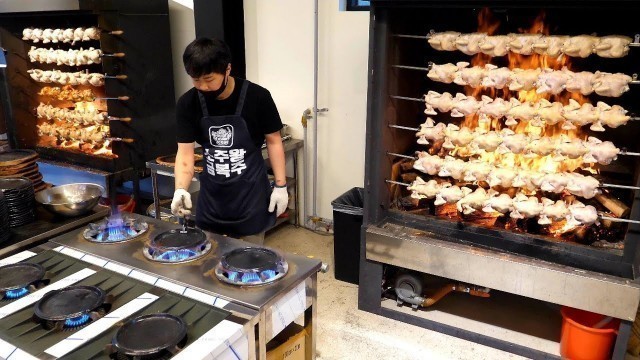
230	118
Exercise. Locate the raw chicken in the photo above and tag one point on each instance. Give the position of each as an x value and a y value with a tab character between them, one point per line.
581	82
434	100
550	45
449	195
471	76
488	142
525	207
613	85
613	46
452	167
464	105
523	79
612	116
501	203
501	176
445	73
428	164
477	170
554	182
583	186
552	81
580	46
495	108
424	190
602	152
549	113
456	136
579	115
523	43
512	142
573	148
543	146
552	211
496	77
580	214
472	201
444	41
496	45
430	131
470	43
520	111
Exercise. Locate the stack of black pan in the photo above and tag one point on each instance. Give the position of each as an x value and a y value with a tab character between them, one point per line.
5	233
19	197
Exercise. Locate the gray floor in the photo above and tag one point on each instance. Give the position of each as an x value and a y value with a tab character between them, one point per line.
344	332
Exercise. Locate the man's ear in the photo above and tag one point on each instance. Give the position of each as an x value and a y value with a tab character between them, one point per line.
228	69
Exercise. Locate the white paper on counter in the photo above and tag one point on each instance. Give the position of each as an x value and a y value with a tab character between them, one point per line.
223	340
34	297
101	325
287	309
17	258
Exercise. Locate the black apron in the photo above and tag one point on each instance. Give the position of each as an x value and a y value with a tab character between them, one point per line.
234	187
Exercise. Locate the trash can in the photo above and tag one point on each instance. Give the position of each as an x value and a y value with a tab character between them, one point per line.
347	220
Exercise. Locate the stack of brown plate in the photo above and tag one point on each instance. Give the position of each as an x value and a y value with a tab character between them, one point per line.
22	163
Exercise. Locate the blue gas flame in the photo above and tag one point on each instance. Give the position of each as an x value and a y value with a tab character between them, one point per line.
17	293
177	255
77	321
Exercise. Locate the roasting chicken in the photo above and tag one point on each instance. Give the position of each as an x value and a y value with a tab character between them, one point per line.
520	111
579	115
488	142
70	57
612	116
583	186
428	164
464	105
471	76
580	46
496	45
477	170
452	167
602	152
512	142
424	189
548	113
444	41
572	148
67	93
552	81
79	116
449	194
472	201
454	136
445	73
60	35
501	177
470	43
496	77
64	78
525	207
613	85
613	46
552	211
523	79
580	214
523	43
501	203
495	108
543	146
429	131
550	45
581	82
443	102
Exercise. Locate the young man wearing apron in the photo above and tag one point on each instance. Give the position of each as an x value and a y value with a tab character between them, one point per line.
230	118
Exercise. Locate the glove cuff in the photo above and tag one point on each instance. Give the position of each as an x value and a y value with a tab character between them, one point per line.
280	186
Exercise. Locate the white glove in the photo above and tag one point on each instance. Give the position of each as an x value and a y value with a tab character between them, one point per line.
181	204
279	200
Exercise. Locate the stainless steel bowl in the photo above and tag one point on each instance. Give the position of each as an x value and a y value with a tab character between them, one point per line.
70	200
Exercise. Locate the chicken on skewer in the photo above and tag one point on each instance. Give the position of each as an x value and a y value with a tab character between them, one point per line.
540	113
64	78
67	93
80	116
547	80
61	35
574	183
70	57
520	206
611	46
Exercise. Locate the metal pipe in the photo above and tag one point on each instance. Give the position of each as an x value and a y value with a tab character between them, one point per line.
402	156
407	98
423	37
620	186
411	67
403	127
618	219
315	107
398	183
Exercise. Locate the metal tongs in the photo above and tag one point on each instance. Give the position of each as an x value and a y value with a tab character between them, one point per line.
185	219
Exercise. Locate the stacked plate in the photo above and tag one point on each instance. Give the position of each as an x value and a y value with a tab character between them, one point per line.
21	163
19	196
5	234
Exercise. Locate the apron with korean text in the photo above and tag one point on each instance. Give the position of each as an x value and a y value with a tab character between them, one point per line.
234	187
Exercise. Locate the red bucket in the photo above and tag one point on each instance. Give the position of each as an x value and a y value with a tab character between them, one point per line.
580	340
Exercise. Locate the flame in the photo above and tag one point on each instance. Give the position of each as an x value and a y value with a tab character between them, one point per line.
489	24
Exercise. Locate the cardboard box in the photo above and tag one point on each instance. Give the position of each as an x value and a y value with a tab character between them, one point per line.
290	344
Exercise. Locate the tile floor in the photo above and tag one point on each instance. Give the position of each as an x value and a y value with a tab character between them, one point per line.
344	332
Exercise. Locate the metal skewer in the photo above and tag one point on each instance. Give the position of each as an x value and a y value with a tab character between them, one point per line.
122	98
119	77
120	55
115	118
404	127
412	67
115	32
125	140
406	98
603	217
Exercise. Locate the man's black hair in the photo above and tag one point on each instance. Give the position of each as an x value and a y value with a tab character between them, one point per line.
205	55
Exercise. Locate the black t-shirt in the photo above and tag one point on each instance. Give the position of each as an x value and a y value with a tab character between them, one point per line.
259	112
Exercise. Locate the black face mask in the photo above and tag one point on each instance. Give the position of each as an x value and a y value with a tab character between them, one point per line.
214	94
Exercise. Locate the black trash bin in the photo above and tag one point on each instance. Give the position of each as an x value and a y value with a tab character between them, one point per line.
347	220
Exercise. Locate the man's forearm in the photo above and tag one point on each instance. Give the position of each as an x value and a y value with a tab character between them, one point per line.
184	172
277	160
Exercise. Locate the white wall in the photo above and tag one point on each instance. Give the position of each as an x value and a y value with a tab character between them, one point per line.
279	44
279	56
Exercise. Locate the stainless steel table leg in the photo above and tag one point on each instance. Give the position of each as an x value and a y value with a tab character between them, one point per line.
310	315
295	189
262	336
156	197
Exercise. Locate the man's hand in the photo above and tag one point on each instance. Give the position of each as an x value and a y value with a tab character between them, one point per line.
279	200
181	204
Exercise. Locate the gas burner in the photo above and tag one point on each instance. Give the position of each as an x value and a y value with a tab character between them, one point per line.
152	336
18	280
177	246
251	266
115	229
71	307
